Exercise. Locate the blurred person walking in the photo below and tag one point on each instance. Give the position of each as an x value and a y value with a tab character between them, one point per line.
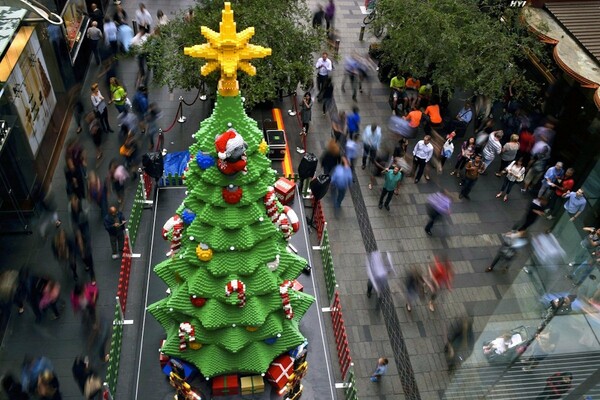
98	192
143	18
353	122
438	205
440	276
415	287
341	180
114	223
48	387
557	385
535	210
118	95
88	381
331	157
371	139
111	36
64	249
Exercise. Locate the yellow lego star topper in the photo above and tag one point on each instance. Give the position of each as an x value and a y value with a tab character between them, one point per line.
228	50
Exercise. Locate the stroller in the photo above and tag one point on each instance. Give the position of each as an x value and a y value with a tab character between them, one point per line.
507	347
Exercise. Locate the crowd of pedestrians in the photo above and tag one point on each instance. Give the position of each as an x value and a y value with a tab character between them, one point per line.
88	183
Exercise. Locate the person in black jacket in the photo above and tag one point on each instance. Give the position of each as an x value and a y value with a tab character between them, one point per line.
115	226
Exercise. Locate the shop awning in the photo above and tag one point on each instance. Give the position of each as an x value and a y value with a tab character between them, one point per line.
570	51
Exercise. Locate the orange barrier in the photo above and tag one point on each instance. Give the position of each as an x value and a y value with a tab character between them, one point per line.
341	338
123	286
287	160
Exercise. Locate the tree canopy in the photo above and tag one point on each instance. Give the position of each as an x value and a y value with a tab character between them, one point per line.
468	44
281	25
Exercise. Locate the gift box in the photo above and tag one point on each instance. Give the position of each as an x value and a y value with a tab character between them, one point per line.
285	190
162	357
252	384
277	144
189	372
299	351
280	371
225	385
297	286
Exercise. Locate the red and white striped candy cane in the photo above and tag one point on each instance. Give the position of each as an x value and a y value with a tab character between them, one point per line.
237	286
271	203
285	298
284	226
186	329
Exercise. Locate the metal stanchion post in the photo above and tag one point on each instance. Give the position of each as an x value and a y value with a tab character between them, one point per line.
361	36
181	119
337	47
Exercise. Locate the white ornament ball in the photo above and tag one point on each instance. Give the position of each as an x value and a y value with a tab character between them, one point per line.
232	248
192	238
261	219
229	124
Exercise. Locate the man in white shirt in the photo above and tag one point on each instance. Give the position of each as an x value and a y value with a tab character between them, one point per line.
143	17
422	153
324	66
371	142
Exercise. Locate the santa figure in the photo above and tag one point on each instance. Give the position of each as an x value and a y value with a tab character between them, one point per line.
175	223
231	150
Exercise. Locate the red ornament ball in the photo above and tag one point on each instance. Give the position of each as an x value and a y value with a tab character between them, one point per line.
232	194
197	301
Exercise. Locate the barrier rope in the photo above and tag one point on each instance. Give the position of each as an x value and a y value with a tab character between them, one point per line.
179	110
197	96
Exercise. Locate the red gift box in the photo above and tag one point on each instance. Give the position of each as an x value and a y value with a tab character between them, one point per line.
280	371
162	357
225	385
297	286
285	190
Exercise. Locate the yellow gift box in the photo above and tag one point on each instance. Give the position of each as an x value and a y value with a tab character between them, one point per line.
252	384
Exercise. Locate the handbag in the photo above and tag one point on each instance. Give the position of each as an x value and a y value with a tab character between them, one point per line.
127	102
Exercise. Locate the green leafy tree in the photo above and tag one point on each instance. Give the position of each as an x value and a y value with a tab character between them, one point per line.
283	26
230	279
465	44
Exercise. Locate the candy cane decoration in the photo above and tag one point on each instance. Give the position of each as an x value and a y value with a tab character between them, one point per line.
271	203
285	298
239	287
186	329
292	218
175	223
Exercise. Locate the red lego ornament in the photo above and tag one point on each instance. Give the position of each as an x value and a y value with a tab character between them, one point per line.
197	301
232	194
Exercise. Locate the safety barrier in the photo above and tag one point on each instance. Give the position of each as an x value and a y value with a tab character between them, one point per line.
123	286
337	318
318	219
106	394
116	341
147	185
349	387
135	216
341	337
328	270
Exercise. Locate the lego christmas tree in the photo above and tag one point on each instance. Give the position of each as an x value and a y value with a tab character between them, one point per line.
231	308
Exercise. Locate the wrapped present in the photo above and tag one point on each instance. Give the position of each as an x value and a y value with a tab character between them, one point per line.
252	384
162	357
285	190
295	393
299	351
297	286
300	370
225	385
181	368
280	371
